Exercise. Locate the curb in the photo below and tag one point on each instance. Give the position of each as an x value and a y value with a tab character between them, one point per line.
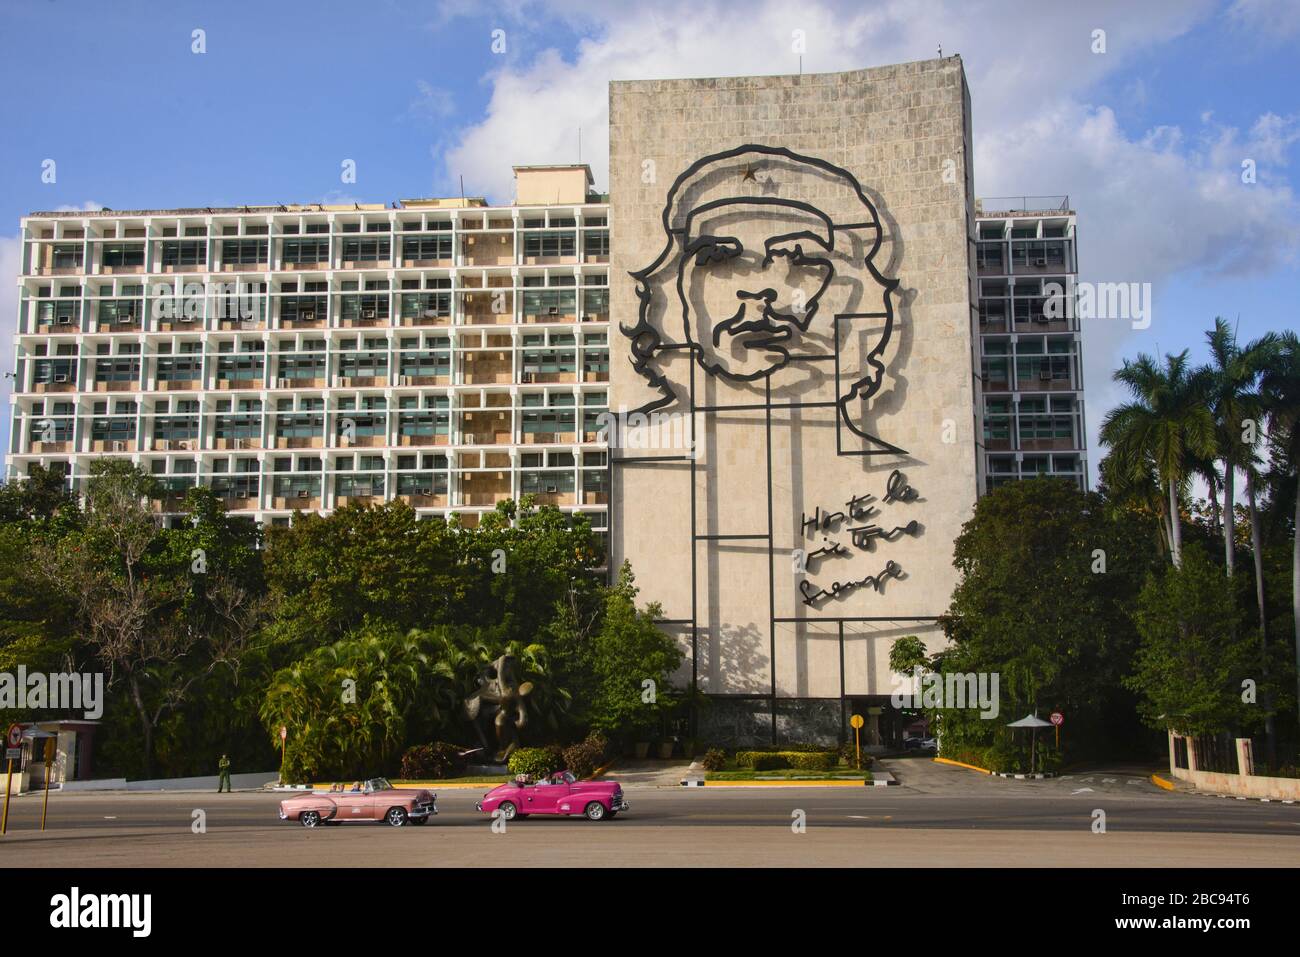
1024	777
959	764
699	783
786	784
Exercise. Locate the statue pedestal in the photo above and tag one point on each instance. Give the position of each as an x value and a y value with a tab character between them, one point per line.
482	770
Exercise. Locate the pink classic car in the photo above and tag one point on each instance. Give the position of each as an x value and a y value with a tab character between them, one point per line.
560	793
373	800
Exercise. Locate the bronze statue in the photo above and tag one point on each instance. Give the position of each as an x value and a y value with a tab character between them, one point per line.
500	696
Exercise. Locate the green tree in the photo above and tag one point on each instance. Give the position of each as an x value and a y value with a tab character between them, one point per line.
1166	428
1047	579
1192	659
1281	388
629	650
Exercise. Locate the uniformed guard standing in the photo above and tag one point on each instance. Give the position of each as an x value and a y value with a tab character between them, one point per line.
223	779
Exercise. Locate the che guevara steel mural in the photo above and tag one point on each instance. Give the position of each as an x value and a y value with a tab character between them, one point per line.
768	280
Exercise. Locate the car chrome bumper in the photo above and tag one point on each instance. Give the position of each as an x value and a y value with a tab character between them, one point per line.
478	805
619	804
283	816
423	810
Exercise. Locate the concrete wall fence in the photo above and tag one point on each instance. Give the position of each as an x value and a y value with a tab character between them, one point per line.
1245	783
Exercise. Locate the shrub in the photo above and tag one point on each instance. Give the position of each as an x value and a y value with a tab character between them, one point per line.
848	754
537	762
715	759
432	761
811	760
770	761
585	758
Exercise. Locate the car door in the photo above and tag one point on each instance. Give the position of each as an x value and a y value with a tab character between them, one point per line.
542	798
353	806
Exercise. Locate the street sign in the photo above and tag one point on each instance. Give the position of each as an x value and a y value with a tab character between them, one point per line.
14	738
13	754
284	732
1057	718
856	721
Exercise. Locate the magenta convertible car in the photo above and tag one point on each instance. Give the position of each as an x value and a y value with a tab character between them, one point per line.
560	793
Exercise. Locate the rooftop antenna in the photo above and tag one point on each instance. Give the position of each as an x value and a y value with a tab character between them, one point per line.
579	145
462	189
940	51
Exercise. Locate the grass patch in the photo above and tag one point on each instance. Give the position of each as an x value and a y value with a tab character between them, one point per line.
467	779
787	774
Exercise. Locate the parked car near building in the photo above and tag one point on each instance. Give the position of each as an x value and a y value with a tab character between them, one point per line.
372	800
561	793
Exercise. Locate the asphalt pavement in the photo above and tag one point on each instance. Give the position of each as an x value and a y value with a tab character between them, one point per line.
938	816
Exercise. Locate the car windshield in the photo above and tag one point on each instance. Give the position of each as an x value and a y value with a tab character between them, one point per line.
378	784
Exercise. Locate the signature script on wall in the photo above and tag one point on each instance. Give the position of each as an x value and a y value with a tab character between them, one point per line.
858	519
762	286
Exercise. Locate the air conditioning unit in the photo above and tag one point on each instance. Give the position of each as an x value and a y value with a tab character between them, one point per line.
469	240
404	380
526	377
65	320
552	310
1044	375
241	443
469	439
119	446
302	493
552	488
307	316
284	383
367	313
61	377
426	491
1040	261
188	318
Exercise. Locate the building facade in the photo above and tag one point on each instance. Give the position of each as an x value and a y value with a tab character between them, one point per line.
1030	354
443	352
804	298
823	350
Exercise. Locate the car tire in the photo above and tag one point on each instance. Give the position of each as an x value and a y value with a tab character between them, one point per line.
595	811
508	811
309	818
396	817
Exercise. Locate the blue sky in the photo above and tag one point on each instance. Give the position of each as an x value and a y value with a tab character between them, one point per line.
1147	137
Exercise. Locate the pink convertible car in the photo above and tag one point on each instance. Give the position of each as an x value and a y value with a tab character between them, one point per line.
560	793
373	800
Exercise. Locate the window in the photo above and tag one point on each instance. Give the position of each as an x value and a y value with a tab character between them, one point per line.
426	247
244	252
120	255
184	253
366	250
300	251
550	243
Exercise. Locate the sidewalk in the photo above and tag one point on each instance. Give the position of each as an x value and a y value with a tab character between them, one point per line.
631	772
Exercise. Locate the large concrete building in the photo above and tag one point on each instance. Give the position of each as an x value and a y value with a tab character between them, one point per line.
815	349
444	352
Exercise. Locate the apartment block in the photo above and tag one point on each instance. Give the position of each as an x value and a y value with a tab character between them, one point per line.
444	352
1030	353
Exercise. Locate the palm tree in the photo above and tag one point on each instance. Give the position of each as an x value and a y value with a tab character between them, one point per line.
1280	386
1168	425
1232	377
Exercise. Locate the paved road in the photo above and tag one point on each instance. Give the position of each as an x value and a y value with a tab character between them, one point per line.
939	817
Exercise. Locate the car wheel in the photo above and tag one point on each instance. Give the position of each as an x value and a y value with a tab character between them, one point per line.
508	811
396	816
595	811
309	818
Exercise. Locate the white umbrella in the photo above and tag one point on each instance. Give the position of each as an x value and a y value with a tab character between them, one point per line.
1033	722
